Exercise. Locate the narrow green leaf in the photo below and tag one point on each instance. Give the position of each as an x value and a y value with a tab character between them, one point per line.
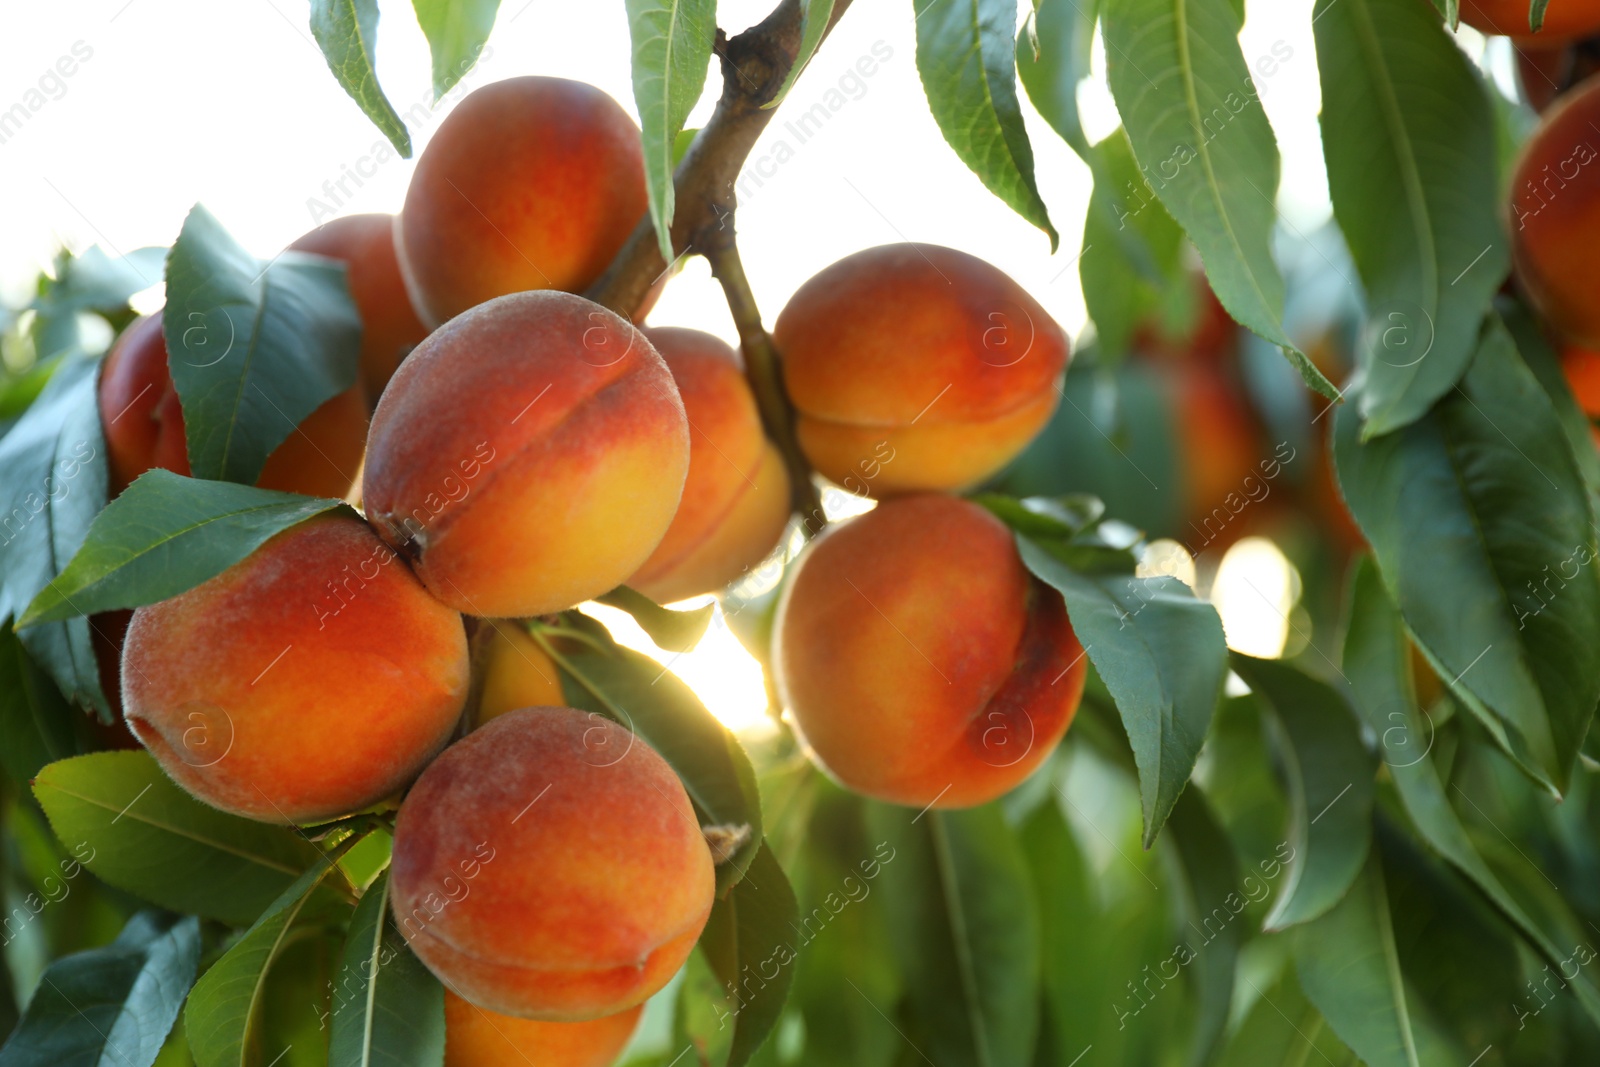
1187	99
347	33
111	1006
814	16
457	31
1507	609
671	53
52	483
1350	970
1379	669
222	1017
37	725
163	536
1063	31
1211	899
675	631
966	56
125	820
1162	655
1410	144
654	703
388	1009
1536	9
1330	783
95	281
253	347
750	932
1545	363
965	931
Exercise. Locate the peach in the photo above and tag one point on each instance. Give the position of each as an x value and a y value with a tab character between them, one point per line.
311	679
1555	215
531	183
143	423
389	325
915	367
528	455
477	1038
516	672
736	497
921	661
1564	18
549	866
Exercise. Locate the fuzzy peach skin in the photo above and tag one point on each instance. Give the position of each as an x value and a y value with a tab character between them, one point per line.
516	672
474	1037
1555	215
922	663
589	878
915	367
736	498
531	183
389	325
309	680
143	423
528	455
1563	18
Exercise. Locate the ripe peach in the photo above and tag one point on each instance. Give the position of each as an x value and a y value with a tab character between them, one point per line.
531	183
549	866
528	455
1572	18
1582	369
389	325
516	672
1555	215
311	679
922	663
915	367
478	1038
143	424
736	497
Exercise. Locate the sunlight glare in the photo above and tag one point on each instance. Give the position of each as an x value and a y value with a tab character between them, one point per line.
1255	591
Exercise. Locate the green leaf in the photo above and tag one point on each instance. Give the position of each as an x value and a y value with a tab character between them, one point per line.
129	824
456	32
1410	144
253	347
111	1006
1062	31
749	933
1046	518
675	631
1330	776
1162	655
1506	607
671	53
388	1009
163	536
1379	669
1211	888
95	281
224	1011
347	33
1187	99
1133	250
654	703
52	483
1536	10
37	725
966	56
814	16
965	930
1545	364
1350	970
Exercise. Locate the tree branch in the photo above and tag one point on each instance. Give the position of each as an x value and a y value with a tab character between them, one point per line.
755	64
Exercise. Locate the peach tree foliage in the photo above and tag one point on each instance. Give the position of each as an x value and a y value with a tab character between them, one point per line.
1351	853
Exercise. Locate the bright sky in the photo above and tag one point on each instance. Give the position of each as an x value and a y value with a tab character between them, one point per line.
171	102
